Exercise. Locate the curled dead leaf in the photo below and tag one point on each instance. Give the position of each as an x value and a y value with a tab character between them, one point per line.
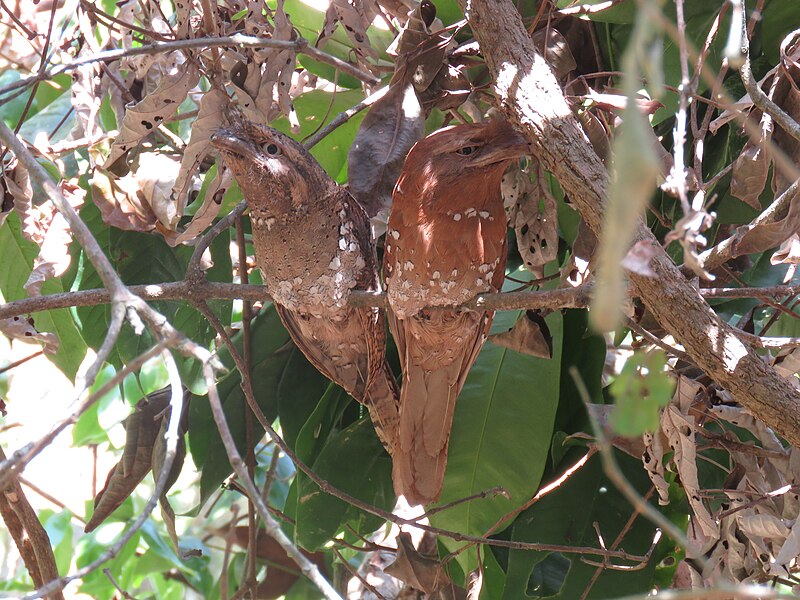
143	452
529	335
18	328
120	203
53	259
143	118
420	572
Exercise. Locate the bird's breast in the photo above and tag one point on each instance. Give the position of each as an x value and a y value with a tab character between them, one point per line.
308	264
444	260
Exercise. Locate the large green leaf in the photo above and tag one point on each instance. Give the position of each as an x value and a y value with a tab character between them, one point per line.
586	351
354	461
142	259
312	109
273	355
565	517
15	267
501	434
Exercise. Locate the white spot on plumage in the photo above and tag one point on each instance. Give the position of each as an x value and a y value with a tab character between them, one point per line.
436	275
342	244
395	234
457	217
335	263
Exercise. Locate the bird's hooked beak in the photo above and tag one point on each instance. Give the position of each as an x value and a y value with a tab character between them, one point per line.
229	142
506	144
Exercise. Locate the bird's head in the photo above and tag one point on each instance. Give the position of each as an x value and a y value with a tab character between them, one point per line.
270	167
452	154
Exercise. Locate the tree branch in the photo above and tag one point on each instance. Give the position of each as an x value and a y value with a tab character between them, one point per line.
532	99
31	539
239	39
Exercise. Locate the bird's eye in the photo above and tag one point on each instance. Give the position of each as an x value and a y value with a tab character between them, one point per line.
272	149
467	150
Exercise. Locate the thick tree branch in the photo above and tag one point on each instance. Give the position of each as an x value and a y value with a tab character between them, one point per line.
529	94
28	534
189	291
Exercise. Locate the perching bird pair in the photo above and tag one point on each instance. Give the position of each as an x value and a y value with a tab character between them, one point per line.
446	243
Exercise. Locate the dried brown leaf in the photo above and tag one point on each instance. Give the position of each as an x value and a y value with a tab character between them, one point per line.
420	572
155	175
210	116
750	239
17	328
680	431
391	127
555	50
355	16
54	258
120	203
17	194
141	430
144	117
529	335
533	213
143	451
750	170
205	215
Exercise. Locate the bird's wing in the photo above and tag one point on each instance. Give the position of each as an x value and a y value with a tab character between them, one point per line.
337	348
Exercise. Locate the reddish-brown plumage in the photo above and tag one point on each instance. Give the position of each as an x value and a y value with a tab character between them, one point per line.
446	242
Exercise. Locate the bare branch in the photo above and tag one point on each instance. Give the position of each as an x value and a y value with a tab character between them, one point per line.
239	39
31	539
171	437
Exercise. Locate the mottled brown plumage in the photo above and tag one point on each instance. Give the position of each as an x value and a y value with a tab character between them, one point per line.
313	246
446	243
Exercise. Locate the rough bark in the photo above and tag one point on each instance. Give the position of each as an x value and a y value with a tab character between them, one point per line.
29	536
531	98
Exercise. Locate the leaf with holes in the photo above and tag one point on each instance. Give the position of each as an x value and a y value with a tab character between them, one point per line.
144	117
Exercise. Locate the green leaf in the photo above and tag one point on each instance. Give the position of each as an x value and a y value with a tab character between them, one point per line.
15	268
354	461
501	434
565	517
88	429
272	355
59	529
641	390
312	108
586	351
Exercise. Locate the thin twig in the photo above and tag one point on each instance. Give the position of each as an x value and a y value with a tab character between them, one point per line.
238	39
613	472
171	436
727	249
19	362
272	527
24	455
126	595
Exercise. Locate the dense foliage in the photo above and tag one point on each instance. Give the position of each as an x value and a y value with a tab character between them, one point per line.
125	138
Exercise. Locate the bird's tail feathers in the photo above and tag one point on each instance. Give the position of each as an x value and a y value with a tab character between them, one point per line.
427	404
381	401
